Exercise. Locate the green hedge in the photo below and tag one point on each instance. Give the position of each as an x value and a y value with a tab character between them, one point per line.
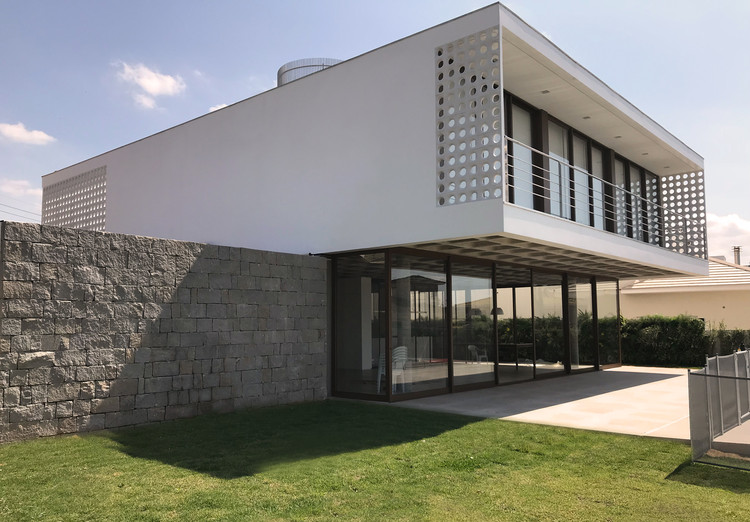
647	341
664	341
675	341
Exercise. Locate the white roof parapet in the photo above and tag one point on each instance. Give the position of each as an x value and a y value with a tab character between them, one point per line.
297	69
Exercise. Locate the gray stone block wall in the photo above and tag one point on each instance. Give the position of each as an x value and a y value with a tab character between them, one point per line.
102	330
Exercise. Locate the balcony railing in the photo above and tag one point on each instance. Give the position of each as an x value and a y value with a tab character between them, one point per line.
548	183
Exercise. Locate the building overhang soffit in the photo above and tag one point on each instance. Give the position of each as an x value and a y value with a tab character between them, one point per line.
591	107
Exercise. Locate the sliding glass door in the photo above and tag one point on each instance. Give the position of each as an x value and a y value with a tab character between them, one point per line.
549	338
360	326
418	324
473	337
407	324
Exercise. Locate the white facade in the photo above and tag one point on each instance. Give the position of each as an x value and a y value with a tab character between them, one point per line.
349	158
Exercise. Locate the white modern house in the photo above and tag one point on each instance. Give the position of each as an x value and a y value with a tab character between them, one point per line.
479	192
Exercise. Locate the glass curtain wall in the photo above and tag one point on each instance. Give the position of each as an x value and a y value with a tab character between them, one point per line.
581	323
534	338
473	323
360	325
418	324
608	319
514	325
549	340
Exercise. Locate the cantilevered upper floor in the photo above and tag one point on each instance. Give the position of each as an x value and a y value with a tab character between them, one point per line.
477	137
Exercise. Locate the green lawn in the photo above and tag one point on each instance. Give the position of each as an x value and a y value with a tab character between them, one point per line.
349	460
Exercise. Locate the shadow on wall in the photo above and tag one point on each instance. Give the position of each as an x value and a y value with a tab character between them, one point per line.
240	444
107	330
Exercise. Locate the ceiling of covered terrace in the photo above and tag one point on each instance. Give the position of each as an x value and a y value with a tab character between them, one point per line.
513	251
588	105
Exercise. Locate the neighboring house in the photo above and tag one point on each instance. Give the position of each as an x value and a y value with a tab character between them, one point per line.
466	179
721	297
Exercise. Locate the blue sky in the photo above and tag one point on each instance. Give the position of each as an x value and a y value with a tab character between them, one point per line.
82	77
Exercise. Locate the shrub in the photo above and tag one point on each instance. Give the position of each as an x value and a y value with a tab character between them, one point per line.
665	341
726	341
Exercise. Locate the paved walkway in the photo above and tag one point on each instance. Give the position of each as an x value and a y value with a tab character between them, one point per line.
651	402
736	440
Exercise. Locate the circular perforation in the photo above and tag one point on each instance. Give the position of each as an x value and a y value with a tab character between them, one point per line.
469	127
683	198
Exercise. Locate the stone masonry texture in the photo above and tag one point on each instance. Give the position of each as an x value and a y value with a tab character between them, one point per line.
101	330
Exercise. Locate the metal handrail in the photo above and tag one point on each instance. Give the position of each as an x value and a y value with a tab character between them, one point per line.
629	214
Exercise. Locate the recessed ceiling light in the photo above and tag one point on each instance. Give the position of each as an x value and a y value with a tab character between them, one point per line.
545	91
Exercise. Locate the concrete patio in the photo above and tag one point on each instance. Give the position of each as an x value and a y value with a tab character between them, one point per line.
650	402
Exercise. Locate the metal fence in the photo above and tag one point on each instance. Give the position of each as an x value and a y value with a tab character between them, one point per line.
719	397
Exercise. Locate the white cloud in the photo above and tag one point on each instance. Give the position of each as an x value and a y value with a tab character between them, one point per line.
217	107
20	201
148	84
153	82
19	188
725	232
20	134
144	100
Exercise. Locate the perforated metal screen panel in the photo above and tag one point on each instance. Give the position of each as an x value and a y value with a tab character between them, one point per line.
77	202
684	200
468	103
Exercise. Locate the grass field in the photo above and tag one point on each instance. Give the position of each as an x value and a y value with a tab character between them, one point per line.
356	461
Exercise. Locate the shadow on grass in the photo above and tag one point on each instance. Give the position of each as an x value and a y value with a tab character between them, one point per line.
240	444
708	476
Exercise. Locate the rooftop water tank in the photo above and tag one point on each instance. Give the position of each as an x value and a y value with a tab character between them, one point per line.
298	68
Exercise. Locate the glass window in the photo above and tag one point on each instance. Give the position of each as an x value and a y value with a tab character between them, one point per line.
608	322
522	161
548	323
418	321
360	333
473	338
622	199
637	202
597	186
653	212
580	315
581	180
559	171
514	325
524	324
549	340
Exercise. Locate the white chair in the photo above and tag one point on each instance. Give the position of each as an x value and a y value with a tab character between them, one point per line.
398	363
477	354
